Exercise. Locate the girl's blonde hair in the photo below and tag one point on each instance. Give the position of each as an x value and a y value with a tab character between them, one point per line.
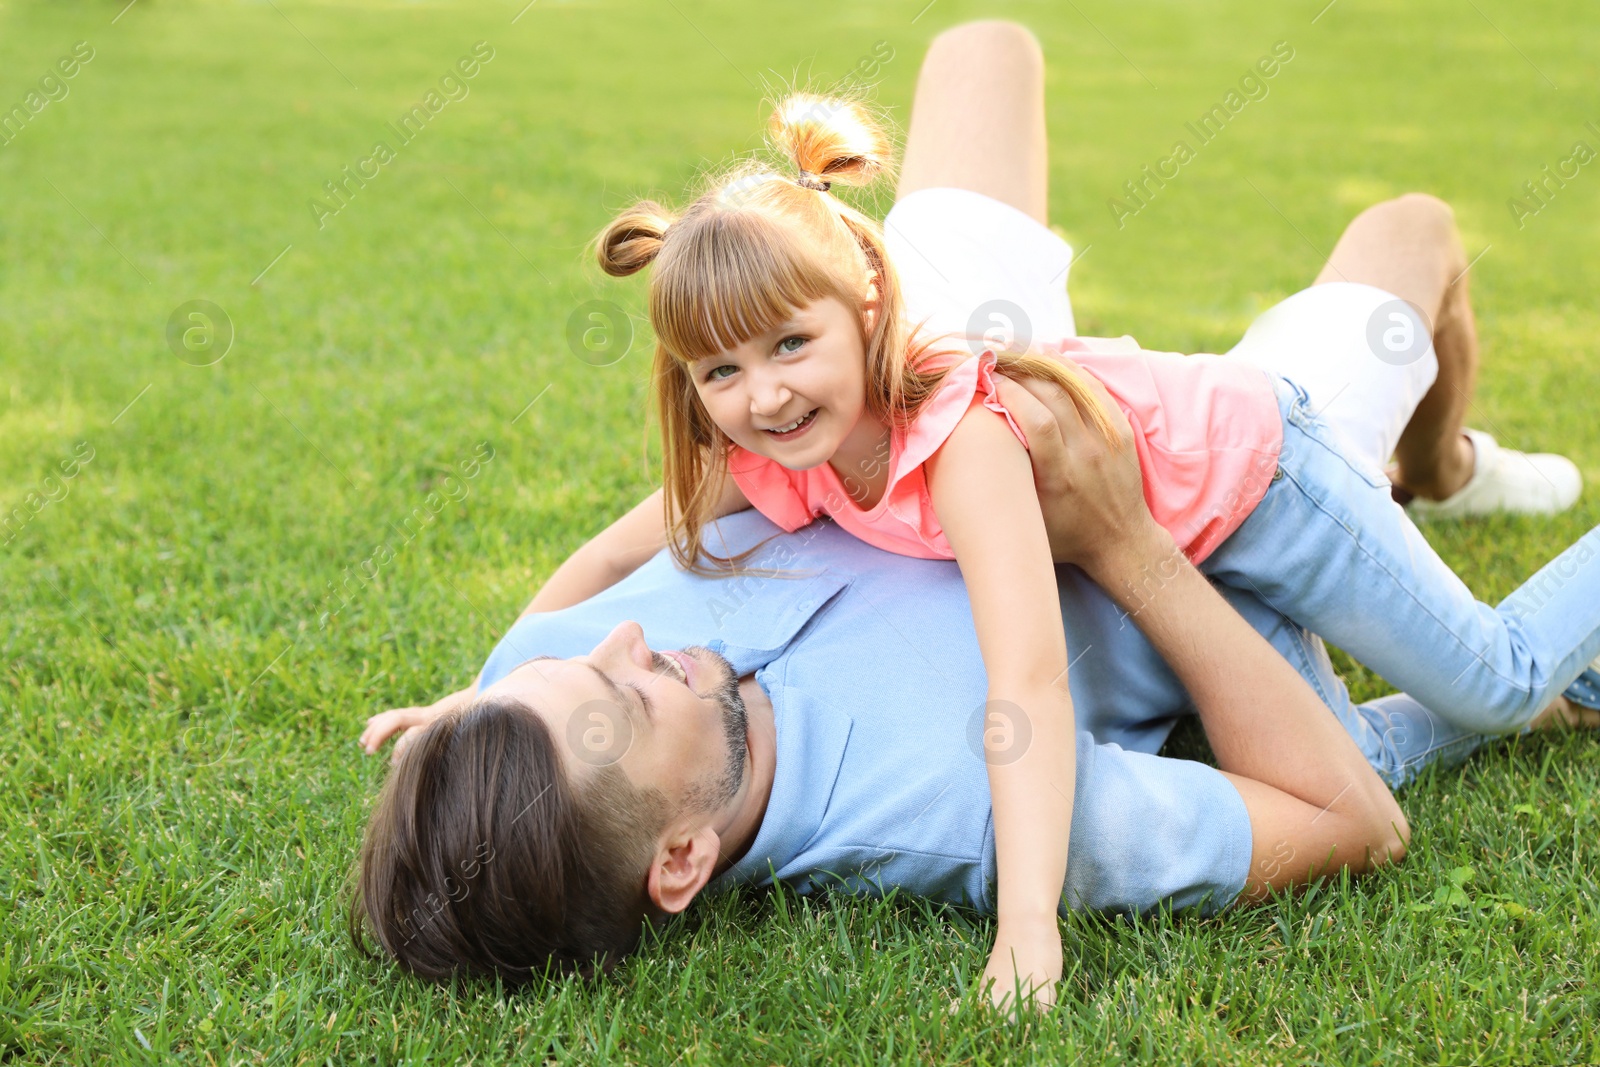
751	249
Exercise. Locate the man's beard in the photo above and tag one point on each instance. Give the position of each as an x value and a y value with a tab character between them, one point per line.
708	796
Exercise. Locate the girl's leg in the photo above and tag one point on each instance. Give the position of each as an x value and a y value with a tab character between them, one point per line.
1410	246
1329	549
967	233
978	118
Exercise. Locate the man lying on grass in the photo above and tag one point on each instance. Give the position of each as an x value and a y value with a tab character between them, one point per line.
536	827
541	823
828	726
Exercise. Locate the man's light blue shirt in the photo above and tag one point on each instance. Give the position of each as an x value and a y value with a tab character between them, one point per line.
877	686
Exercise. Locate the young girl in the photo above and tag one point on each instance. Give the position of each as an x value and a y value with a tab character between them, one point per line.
788	379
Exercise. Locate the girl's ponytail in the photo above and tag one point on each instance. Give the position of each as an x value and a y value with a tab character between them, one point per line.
829	140
633	240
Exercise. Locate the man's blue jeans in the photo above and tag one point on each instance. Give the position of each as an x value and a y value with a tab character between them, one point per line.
1328	548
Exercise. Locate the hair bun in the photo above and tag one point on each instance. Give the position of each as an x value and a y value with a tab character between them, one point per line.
829	139
633	239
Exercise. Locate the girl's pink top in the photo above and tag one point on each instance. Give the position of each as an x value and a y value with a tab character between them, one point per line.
1207	430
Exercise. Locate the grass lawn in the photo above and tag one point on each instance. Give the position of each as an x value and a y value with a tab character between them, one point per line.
179	781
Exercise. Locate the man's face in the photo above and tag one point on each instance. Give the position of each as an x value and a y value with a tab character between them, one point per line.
672	721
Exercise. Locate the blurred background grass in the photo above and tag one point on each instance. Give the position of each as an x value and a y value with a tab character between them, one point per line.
178	771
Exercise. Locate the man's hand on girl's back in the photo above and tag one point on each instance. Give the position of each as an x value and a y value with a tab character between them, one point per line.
1091	490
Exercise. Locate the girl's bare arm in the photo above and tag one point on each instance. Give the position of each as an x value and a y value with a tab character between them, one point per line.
981	484
618	551
612	555
607	558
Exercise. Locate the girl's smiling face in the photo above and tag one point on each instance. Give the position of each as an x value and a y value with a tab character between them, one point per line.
796	393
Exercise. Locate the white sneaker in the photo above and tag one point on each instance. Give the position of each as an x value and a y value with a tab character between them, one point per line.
1505	480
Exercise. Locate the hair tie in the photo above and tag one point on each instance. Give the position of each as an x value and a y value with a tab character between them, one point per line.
807	180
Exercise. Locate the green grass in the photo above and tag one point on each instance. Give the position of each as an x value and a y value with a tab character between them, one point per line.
179	782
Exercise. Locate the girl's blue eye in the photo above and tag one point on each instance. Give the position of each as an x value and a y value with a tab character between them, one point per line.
715	373
783	343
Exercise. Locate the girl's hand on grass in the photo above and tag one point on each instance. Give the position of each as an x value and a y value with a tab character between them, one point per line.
406	721
1029	959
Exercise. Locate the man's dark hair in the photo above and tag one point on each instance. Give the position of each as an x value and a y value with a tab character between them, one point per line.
484	858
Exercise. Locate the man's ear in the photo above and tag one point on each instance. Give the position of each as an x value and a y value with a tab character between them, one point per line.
684	862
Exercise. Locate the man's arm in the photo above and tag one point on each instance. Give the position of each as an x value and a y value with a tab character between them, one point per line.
1315	803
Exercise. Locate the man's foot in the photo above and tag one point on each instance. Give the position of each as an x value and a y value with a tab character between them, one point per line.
1566	714
1503	479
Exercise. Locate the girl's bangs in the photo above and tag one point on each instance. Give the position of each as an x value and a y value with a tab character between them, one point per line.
738	277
